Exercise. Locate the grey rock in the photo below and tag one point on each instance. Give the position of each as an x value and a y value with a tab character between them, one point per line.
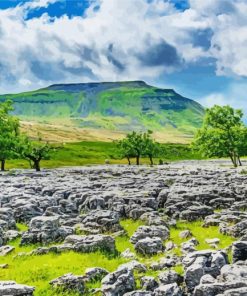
185	234
149	246
207	279
69	282
100	221
45	230
4	266
11	235
194	213
118	283
199	263
10	288
216	288
239	251
134	265
128	254
149	283
90	243
236	292
168	290
95	273
170	277
139	293
150	231
5	250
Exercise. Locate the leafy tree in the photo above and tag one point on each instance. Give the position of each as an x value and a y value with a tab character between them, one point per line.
9	133
125	149
137	145
35	151
223	134
151	147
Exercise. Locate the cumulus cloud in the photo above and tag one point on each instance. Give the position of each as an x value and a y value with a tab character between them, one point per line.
38	4
119	40
234	95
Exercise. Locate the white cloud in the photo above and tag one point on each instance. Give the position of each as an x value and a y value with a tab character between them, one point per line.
122	40
234	95
109	44
38	3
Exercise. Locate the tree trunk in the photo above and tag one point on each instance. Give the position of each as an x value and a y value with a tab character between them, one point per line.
234	159
235	163
128	160
138	159
239	161
36	165
231	158
30	164
3	165
151	160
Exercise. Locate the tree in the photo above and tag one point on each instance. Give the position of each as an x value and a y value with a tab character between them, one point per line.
223	134
9	133
151	148
137	145
35	151
125	149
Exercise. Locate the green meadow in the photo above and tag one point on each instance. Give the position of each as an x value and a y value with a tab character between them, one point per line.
39	270
90	153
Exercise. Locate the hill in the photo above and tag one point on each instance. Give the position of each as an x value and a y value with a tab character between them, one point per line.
107	110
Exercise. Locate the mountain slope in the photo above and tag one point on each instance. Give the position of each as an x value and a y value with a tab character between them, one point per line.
115	106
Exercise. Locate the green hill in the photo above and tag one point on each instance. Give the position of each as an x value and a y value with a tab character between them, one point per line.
115	106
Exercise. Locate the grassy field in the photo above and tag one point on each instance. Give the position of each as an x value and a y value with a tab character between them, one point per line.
65	130
39	270
89	153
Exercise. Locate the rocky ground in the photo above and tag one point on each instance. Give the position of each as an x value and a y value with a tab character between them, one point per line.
80	210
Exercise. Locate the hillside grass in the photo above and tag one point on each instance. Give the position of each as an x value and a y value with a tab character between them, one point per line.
93	153
200	233
118	109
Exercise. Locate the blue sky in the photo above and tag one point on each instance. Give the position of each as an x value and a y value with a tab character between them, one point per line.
196	47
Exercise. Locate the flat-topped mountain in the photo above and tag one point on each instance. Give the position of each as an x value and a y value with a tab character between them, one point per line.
116	106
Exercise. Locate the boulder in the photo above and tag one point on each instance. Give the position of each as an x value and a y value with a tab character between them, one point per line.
235	292
118	283
185	234
217	288
194	213
95	274
150	231
90	243
100	221
5	250
199	263
69	282
134	265
239	251
232	277
45	230
149	246
189	246
7	216
168	290
149	283
139	293
128	254
10	288
170	277
11	235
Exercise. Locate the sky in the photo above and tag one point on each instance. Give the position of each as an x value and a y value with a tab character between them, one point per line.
196	47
